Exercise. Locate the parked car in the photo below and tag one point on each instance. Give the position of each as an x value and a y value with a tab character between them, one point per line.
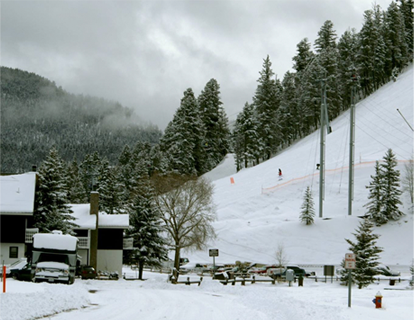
263	270
22	271
15	265
194	267
52	271
276	273
386	271
87	272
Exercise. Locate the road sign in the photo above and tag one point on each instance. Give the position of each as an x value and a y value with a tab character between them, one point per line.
350	261
213	252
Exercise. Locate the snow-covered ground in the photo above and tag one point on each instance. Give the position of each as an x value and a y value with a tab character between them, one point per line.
255	215
155	299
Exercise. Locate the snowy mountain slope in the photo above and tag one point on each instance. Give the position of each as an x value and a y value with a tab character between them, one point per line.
258	212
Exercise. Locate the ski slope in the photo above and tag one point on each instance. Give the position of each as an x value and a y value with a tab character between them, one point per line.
258	212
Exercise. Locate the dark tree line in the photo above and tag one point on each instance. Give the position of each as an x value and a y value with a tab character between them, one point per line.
286	110
36	115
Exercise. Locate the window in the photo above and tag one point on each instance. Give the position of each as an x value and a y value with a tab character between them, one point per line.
14	252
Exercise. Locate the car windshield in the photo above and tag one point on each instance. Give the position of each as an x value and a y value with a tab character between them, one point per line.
54	257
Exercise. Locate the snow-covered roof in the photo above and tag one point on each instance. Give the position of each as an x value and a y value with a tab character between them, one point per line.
85	220
55	241
115	221
17	193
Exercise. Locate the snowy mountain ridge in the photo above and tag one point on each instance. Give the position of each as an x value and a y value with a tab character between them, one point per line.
257	213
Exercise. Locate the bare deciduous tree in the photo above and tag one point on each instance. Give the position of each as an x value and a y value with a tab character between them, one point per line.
188	213
281	256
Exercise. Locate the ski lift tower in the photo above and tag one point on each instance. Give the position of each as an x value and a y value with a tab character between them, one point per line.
354	79
324	122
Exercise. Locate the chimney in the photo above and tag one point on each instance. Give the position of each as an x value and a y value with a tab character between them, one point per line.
94	209
34	168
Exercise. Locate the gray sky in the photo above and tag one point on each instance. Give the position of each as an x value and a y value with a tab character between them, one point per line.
145	54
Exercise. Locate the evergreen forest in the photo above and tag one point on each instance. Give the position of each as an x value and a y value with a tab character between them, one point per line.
37	116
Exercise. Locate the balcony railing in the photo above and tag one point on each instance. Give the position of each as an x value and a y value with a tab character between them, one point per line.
83	243
128	243
29	234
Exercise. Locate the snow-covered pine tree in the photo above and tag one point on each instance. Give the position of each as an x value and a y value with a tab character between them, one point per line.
52	211
76	190
308	210
375	204
347	65
394	37
328	58
366	253
215	124
266	101
288	112
110	197
182	141
391	184
371	56
307	90
89	171
406	8
245	139
145	229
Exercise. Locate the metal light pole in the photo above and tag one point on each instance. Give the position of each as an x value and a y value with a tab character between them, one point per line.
322	150
351	147
324	122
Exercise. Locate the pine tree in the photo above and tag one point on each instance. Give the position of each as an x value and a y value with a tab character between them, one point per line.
182	141
52	211
266	101
89	171
366	253
372	53
347	65
215	124
384	191
374	206
391	184
76	191
395	39
304	55
245	138
328	57
406	8
110	198
308	210
145	229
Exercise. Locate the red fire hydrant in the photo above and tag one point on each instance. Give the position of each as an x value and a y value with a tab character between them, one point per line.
378	300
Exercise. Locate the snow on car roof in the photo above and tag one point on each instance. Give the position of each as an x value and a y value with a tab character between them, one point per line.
55	241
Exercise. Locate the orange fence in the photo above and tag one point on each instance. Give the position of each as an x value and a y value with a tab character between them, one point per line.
361	164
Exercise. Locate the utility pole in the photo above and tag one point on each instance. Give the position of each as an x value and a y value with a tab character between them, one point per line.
324	122
352	145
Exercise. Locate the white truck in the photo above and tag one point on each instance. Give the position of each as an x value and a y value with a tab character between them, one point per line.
54	257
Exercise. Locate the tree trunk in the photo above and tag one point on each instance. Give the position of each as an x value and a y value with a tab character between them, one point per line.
140	269
176	262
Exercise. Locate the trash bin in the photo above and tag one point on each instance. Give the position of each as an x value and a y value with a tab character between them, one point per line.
300	281
392	282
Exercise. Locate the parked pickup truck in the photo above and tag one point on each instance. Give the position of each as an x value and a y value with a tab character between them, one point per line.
277	273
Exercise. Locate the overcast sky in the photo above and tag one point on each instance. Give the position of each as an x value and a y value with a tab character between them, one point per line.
145	54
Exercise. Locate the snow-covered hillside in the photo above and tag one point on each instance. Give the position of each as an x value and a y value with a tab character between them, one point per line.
258	212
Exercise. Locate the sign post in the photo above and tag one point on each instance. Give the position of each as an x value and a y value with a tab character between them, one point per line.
213	253
4	279
350	262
